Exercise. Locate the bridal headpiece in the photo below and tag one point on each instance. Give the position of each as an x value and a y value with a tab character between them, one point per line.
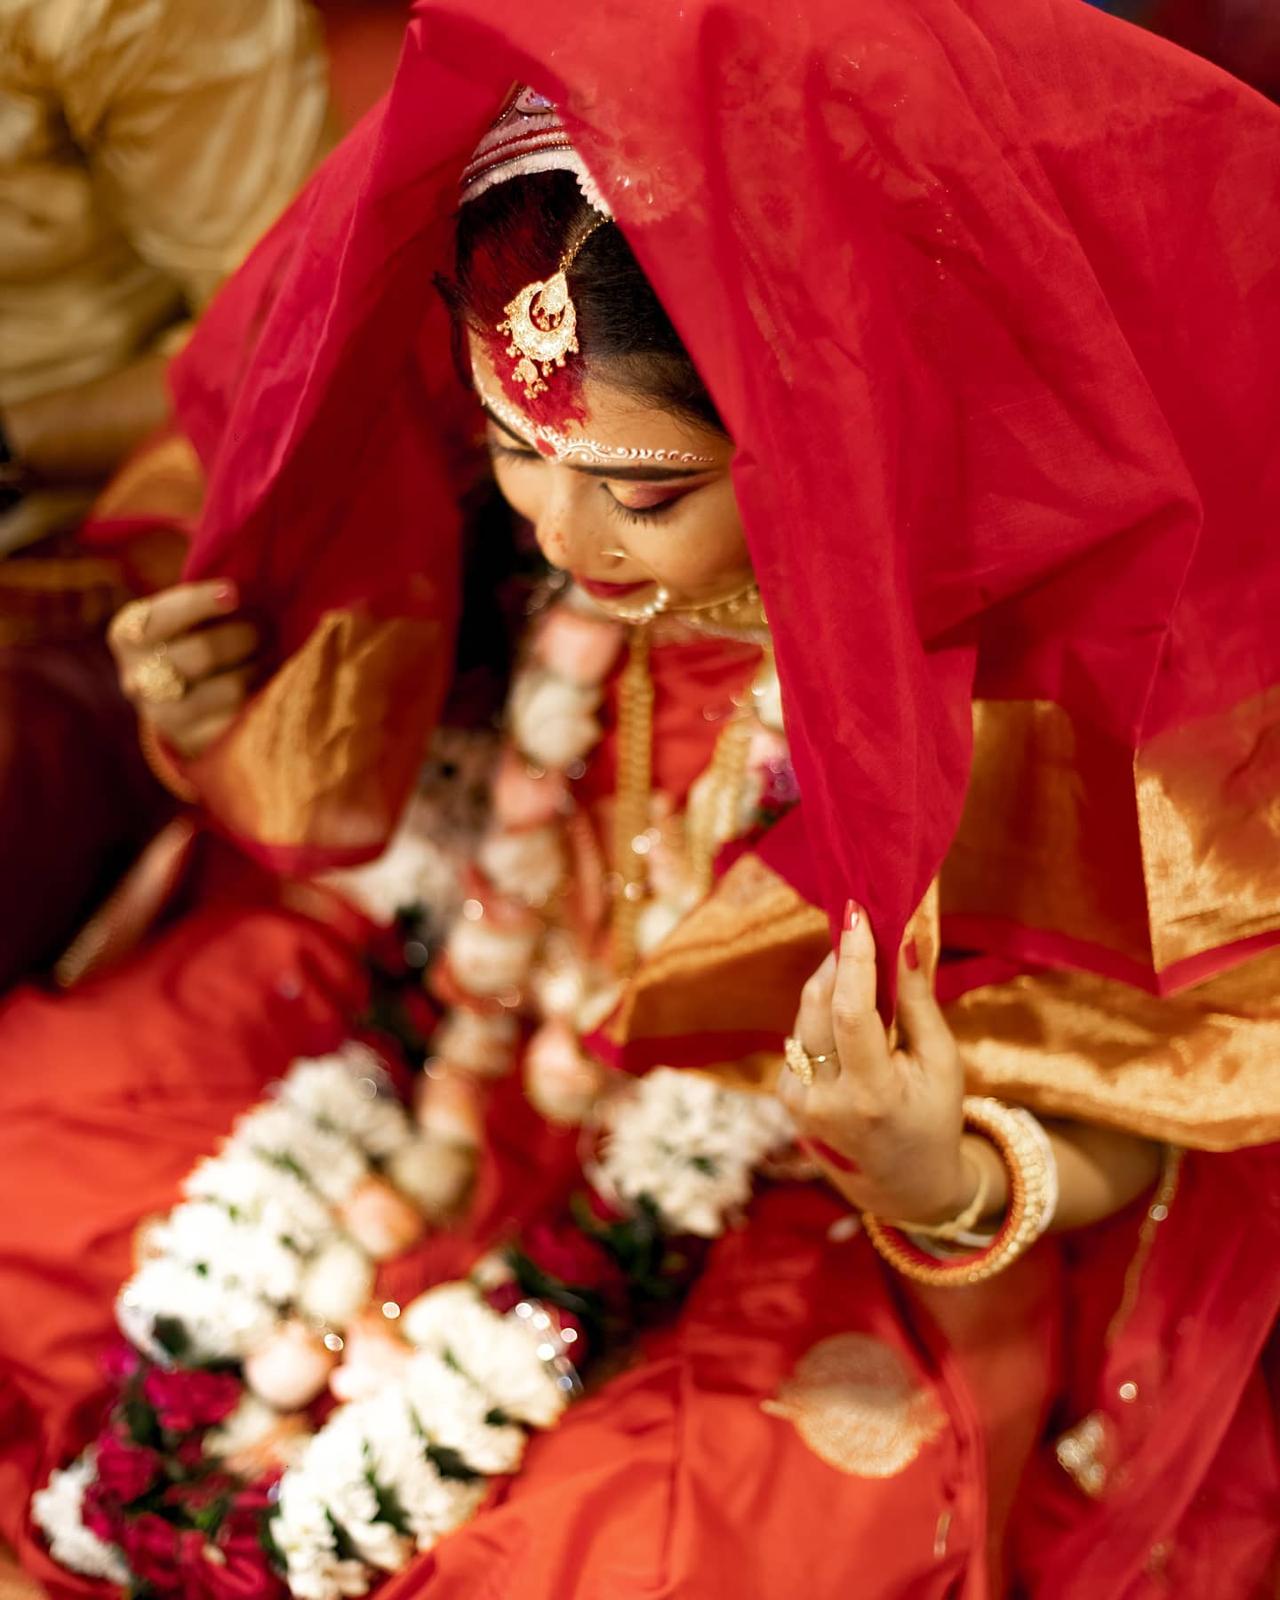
541	322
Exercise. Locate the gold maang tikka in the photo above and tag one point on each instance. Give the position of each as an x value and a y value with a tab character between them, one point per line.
542	322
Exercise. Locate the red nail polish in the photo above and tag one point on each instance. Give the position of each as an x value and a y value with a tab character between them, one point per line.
227	596
852	915
833	1158
911	956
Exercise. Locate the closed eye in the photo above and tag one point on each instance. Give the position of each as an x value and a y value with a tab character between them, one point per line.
653	512
507	452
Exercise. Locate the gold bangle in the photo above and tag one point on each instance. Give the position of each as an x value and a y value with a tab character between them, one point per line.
962	1221
1024	1147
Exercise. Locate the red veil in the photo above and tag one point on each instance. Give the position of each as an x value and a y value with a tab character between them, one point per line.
986	291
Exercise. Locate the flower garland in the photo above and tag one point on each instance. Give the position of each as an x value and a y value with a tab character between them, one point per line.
272	1251
518	951
196	1484
221	1469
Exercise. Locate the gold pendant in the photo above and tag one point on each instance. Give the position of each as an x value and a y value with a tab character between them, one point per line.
543	326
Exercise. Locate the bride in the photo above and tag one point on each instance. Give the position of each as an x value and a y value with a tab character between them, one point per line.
970	1297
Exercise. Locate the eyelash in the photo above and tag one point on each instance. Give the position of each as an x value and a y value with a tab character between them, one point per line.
635	514
616	507
505	450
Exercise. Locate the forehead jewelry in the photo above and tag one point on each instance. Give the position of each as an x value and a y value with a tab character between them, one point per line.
542	322
549	441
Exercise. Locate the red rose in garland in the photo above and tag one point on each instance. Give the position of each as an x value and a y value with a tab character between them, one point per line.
151	1546
125	1470
241	1570
184	1400
502	1296
566	1253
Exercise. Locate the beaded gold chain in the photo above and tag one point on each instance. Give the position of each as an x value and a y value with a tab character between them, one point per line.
631	806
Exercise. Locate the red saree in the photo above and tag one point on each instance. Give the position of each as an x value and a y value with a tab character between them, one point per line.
988	299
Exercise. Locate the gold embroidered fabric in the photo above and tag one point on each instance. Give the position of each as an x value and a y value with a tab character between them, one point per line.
164	480
1084	1453
1197	1069
308	762
1200	1068
856	1405
736	964
1157	857
1209	817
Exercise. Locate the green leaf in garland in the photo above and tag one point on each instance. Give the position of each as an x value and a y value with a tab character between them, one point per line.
449	1464
170	1334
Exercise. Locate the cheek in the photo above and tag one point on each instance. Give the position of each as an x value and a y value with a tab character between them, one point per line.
708	547
521	487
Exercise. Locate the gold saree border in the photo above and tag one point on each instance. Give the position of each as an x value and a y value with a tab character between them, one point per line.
164	479
1157	856
1196	1069
1209	817
736	964
308	764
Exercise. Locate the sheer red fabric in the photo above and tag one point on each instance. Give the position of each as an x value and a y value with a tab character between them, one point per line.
986	292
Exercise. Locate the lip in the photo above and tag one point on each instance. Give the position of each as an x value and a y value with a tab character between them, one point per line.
609	591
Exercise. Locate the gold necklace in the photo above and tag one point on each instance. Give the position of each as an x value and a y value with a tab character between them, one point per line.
631	804
737	615
711	823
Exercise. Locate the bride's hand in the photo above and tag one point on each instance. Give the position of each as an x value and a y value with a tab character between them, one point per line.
186	661
886	1124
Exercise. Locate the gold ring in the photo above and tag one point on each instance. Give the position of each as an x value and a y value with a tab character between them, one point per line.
802	1064
132	620
157	680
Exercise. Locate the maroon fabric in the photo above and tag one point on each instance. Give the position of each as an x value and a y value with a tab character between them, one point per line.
76	799
986	291
1241	35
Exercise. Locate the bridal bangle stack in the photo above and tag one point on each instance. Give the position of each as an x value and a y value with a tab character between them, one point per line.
1024	1147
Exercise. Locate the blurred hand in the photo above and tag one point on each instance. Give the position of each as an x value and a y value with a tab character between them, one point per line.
886	1124
185	662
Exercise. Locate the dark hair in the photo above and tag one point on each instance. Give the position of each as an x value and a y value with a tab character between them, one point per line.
519	230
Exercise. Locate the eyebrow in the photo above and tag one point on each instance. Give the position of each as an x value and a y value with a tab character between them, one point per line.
633	474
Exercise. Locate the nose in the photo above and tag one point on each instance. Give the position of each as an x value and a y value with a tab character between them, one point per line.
569	528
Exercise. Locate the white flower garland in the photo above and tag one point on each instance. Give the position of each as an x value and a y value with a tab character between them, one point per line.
689	1146
682	1144
276	1236
259	1237
58	1511
389	1475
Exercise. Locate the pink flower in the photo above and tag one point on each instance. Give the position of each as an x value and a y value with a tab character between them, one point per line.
185	1400
524	797
578	648
120	1363
125	1470
290	1367
380	1219
562	1082
374	1357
